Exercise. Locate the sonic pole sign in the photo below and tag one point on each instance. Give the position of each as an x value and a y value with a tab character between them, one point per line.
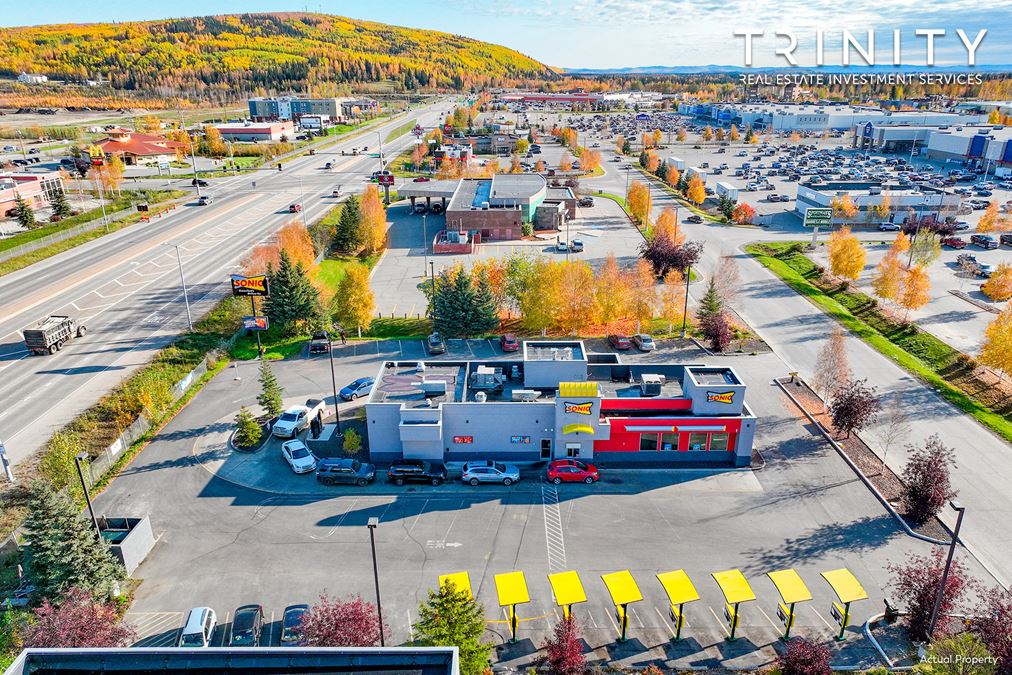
252	287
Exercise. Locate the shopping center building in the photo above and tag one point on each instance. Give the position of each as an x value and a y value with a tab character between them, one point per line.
560	401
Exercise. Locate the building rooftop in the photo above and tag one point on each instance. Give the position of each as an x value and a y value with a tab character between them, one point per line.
402	383
713	376
866	187
612	380
554	351
517	186
560	193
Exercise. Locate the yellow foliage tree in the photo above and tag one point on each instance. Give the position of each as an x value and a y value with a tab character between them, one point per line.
846	255
373	220
696	192
844	207
515	165
681	135
998	287
619	144
566	163
643	293
915	291
639	202
539	166
575	304
657	137
997	349
888	276
672	175
611	293
733	134
590	160
884	207
901	244
707	133
672	298
354	302
294	239
666	227
653	162
989	219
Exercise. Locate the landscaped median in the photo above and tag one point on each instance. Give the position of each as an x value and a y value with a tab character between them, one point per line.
951	373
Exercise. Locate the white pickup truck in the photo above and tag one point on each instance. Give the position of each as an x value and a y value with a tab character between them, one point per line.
296	418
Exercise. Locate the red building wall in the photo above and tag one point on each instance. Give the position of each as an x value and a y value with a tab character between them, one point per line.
623	440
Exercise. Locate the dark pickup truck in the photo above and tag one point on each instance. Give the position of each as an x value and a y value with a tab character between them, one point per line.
50	334
416	471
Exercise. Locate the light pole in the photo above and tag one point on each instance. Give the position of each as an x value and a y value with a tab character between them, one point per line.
960	510
432	303
373	522
5	463
333	380
231	157
685	308
302	197
380	137
78	458
182	280
193	163
425	246
21	142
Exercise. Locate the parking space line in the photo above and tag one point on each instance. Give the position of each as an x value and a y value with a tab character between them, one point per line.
664	621
270	630
828	625
761	611
719	622
410	529
612	619
637	617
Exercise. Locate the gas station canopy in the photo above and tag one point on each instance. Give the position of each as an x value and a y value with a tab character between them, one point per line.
734	586
846	586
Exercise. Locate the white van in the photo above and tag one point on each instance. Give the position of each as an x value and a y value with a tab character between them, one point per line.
198	631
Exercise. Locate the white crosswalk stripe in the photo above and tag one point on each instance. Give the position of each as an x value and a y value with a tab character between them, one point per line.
554	538
155	629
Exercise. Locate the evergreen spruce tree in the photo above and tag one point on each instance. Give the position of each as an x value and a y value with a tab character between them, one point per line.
460	310
61	207
247	432
710	306
452	618
348	237
293	298
23	213
270	391
486	312
443	311
64	549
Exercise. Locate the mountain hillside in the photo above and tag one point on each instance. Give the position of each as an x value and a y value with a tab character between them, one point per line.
246	53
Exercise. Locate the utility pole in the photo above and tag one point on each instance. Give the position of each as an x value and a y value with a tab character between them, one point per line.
960	509
78	458
186	298
302	194
685	308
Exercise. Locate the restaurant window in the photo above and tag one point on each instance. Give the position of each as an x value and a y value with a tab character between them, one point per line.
648	442
669	442
718	442
697	441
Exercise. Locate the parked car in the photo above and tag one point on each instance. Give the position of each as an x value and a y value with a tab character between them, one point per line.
435	344
320	342
421	208
474	473
576	246
420	179
961	225
198	631
572	471
586	201
984	241
298	456
619	342
360	387
888	227
205	200
350	471
291	624
33	151
292	421
644	342
985	270
966	259
416	471
1005	240
247	625
694	219
294	208
198	181
561	246
954	242
509	342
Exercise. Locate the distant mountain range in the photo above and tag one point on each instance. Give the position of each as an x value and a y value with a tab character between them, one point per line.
722	69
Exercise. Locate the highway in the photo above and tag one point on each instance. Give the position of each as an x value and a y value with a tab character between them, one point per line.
125	287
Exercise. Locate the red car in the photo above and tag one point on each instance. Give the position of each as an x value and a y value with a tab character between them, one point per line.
420	179
294	208
509	342
620	342
572	471
954	242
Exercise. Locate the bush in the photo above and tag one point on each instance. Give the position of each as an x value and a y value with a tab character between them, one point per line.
803	657
916	583
926	485
248	431
527	229
964	653
352	442
564	651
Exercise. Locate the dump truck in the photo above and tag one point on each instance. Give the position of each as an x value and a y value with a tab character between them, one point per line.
50	334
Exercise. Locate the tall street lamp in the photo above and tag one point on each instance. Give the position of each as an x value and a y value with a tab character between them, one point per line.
302	196
380	137
425	245
432	275
960	510
333	380
685	308
78	458
373	522
182	280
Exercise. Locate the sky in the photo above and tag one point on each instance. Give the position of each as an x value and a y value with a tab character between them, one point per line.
620	33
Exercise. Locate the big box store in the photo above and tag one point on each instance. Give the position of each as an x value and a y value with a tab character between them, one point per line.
559	401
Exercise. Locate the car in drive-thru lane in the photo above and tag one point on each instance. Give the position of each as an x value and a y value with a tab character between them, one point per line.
298	456
572	471
297	418
474	473
347	471
416	471
360	387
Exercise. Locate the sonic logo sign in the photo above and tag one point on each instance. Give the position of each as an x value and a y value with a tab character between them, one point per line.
578	408
246	286
726	397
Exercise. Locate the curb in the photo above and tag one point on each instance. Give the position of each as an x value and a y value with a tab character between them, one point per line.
860	474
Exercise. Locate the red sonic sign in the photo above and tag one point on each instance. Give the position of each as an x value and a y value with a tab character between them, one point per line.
245	286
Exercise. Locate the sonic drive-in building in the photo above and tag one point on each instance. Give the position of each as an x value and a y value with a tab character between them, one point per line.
559	401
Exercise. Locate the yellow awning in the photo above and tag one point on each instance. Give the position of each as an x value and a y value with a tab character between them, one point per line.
567	587
678	586
578	428
734	586
579	389
460	580
622	587
845	585
511	588
790	585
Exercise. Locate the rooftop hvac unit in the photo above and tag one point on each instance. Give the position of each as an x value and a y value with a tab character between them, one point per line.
650	385
433	388
525	395
480	397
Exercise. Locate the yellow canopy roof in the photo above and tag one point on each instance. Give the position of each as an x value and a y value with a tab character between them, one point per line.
622	587
734	586
678	586
459	579
578	428
845	585
790	585
578	389
567	587
511	588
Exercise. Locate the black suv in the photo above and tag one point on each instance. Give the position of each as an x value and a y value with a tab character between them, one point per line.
334	471
416	471
320	343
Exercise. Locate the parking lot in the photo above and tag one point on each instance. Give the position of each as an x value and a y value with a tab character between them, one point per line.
223	545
